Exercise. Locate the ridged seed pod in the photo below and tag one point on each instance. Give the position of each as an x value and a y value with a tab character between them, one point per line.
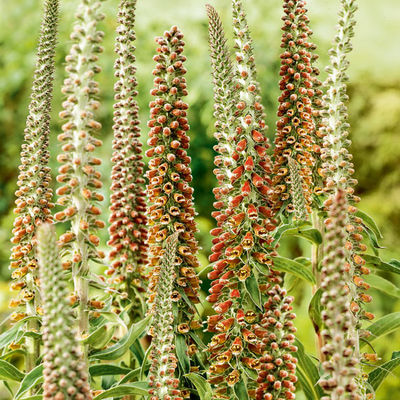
296	127
170	194
65	373
79	194
127	231
340	339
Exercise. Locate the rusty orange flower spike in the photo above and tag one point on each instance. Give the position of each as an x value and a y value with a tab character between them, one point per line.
253	314
170	194
79	194
33	203
340	337
65	372
127	231
296	127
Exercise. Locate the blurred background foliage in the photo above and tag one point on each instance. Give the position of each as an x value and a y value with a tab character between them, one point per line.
374	90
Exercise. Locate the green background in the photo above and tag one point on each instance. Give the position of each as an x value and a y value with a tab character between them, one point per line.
374	110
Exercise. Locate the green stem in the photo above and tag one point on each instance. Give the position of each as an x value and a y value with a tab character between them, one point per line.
32	343
317	254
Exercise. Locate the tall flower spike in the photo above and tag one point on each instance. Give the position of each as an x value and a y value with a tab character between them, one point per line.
170	195
81	181
33	202
224	105
339	347
127	231
296	128
65	374
337	167
242	253
163	359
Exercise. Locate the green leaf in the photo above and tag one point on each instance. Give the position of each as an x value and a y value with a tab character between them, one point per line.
12	335
8	371
383	326
312	235
377	376
368	221
307	373
377	262
293	267
287	227
252	289
314	310
31	379
35	397
108	369
383	285
138	388
119	349
203	388
181	352
100	337
133	374
240	390
137	351
198	340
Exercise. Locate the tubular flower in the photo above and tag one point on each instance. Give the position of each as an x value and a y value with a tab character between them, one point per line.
163	359
224	106
127	231
170	195
80	180
33	203
337	167
296	127
65	374
339	342
242	251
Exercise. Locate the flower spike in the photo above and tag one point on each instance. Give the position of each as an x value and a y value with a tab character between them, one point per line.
339	347
65	374
33	203
79	195
163	359
243	335
170	194
127	231
224	105
296	128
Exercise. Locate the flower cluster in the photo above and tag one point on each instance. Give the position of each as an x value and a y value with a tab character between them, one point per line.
33	202
79	193
65	374
245	338
224	106
277	375
296	127
339	339
127	229
170	194
337	166
163	359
